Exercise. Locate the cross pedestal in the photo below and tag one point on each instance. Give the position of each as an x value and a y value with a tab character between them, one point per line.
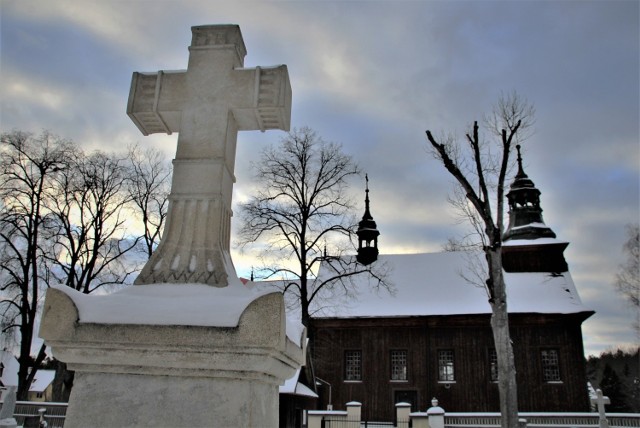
149	374
207	104
189	345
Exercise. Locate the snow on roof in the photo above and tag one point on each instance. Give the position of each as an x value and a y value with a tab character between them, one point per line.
292	386
171	304
42	380
438	284
538	241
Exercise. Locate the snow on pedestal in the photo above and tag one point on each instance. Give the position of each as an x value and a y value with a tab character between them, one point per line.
136	368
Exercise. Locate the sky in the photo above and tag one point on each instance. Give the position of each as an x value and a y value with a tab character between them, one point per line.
373	76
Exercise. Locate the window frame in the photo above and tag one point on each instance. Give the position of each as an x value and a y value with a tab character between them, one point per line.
394	365
446	366
352	367
550	365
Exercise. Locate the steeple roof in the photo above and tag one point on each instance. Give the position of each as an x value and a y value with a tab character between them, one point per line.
525	213
367	234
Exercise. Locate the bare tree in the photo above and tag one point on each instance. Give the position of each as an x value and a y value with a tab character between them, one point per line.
302	212
148	187
65	219
628	277
90	207
27	167
481	168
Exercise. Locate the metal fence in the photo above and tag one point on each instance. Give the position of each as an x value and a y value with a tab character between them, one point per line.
542	420
338	422
27	413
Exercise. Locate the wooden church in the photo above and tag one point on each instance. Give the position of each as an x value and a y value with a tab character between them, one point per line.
431	336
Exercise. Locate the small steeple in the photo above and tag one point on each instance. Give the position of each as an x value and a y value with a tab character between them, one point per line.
525	213
367	234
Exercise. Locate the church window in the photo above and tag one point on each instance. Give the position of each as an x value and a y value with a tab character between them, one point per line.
446	366
353	365
398	365
493	365
550	365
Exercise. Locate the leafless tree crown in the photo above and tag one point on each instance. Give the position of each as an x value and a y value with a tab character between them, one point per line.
302	214
64	219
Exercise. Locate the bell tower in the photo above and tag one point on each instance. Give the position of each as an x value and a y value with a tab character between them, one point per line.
525	213
367	234
529	245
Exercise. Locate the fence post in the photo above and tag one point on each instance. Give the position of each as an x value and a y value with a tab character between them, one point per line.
436	415
315	421
402	415
354	412
42	422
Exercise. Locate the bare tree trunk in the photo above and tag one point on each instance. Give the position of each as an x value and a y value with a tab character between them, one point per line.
511	115
62	382
504	349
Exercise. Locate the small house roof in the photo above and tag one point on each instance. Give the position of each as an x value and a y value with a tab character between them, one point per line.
41	381
293	387
447	284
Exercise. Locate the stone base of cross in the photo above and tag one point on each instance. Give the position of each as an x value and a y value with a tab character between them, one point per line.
207	105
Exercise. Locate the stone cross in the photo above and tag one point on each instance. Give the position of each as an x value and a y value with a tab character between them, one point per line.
600	400
8	408
207	105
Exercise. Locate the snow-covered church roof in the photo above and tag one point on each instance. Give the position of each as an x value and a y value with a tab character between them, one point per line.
447	284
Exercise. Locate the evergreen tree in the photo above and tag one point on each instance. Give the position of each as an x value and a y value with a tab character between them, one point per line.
614	389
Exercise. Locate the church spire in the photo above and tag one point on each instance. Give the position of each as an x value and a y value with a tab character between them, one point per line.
367	234
525	213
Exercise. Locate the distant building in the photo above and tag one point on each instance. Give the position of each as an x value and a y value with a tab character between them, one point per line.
295	398
431	337
42	386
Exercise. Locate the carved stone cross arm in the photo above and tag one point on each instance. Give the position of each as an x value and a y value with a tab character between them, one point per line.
207	104
156	100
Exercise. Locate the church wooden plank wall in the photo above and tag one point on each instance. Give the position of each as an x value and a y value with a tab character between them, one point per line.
470	339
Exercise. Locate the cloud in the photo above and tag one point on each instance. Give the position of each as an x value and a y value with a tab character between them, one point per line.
374	75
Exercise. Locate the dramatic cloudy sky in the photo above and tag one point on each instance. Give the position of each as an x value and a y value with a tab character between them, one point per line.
374	75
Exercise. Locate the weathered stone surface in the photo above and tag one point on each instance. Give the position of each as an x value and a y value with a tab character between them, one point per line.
101	402
151	375
207	104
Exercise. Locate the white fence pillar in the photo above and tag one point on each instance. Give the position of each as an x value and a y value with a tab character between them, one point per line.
419	420
436	415
354	413
314	420
402	415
